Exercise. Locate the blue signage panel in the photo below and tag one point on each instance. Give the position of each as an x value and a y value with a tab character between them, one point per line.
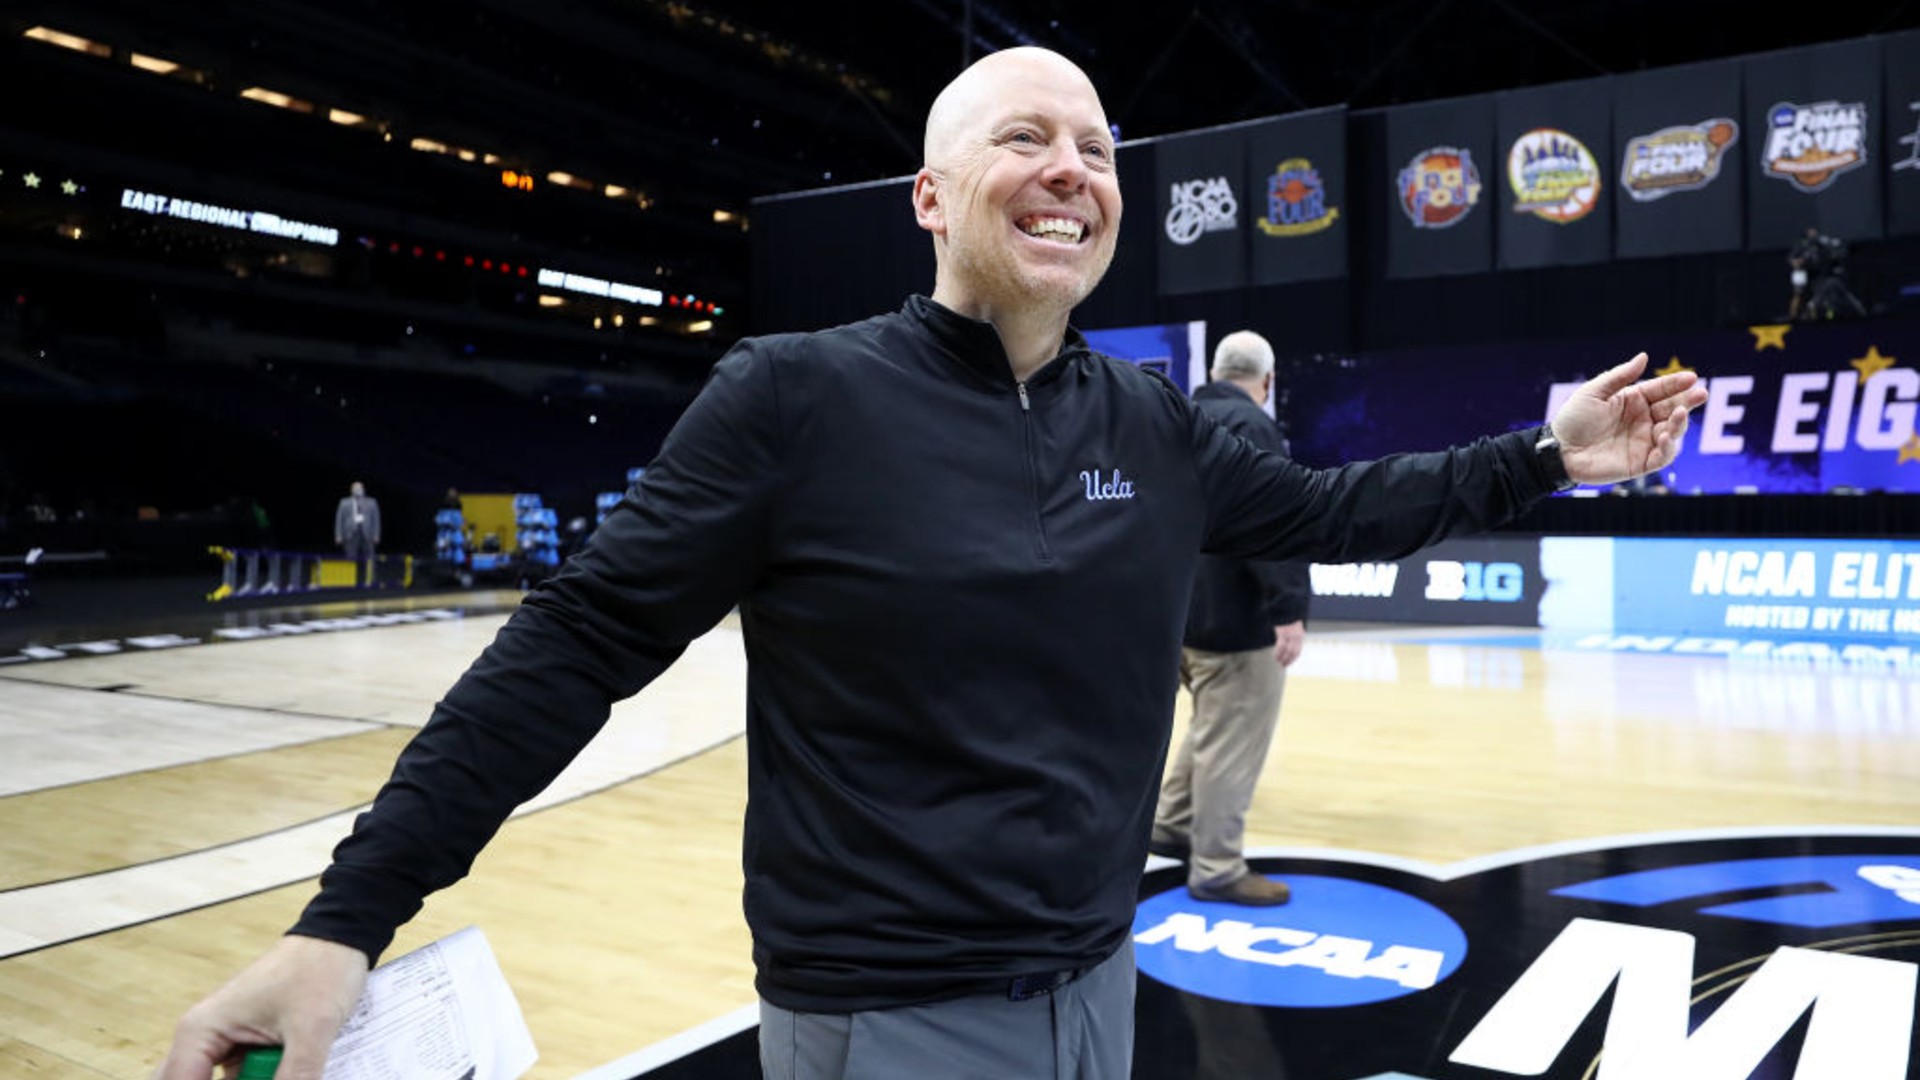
1860	590
1176	350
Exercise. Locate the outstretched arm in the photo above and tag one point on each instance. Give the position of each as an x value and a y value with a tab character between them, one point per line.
1614	428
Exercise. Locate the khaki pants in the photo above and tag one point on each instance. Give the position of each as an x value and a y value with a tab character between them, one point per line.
1204	798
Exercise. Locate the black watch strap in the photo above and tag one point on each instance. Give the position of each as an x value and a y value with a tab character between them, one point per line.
1547	447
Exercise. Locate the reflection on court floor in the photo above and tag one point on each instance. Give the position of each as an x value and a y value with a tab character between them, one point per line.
1440	798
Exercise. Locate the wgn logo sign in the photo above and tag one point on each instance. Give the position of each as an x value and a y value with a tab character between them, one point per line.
1498	582
1337	943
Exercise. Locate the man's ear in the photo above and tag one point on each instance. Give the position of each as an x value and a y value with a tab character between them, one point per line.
926	202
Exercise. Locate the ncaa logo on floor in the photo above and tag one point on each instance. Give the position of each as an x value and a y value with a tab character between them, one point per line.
1339	942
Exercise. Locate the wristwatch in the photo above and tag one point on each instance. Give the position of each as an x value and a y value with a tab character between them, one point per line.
1547	446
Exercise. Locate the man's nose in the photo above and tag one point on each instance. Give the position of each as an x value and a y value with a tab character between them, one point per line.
1066	169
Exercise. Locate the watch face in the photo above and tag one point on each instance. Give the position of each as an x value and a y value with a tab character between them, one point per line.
1548	447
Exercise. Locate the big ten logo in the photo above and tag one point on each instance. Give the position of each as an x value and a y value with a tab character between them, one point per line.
1500	582
1201	206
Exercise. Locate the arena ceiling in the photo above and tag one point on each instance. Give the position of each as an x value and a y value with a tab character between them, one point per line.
726	99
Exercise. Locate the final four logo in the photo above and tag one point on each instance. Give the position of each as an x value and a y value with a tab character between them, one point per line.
1439	186
1683	158
1809	146
1554	176
1297	201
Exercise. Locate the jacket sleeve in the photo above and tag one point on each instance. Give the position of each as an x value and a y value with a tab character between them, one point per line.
1286	592
673	558
1260	505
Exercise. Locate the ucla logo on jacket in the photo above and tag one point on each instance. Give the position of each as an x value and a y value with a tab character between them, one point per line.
1101	486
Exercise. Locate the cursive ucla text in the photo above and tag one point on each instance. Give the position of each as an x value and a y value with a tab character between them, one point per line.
1116	488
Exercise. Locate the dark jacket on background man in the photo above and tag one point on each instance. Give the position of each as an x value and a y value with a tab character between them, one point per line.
1237	602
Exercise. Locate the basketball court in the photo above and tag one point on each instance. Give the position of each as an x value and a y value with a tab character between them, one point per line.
1447	802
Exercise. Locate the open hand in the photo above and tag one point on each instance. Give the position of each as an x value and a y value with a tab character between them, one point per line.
1614	428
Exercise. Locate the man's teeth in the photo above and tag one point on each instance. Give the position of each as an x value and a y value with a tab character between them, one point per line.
1065	228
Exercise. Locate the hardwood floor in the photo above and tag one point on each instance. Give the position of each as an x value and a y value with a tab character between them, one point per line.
154	837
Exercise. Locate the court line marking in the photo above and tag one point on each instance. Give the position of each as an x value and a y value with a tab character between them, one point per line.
661	728
36	917
63	740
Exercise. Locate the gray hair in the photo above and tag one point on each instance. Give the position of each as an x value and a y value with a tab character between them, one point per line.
1242	354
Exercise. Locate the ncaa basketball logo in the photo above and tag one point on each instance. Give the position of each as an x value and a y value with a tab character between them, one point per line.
1339	942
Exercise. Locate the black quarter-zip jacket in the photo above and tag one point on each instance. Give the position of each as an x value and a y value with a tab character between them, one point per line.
962	600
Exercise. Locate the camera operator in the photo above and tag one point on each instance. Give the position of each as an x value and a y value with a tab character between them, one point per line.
1818	264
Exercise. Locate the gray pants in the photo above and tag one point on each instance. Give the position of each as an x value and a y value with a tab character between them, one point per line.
359	548
1204	798
1082	1031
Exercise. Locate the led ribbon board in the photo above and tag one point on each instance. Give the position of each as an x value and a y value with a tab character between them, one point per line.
259	221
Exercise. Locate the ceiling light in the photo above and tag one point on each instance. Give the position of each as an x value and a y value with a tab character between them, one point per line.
276	99
152	63
68	41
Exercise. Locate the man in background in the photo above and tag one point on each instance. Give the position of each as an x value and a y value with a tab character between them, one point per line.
356	528
1245	624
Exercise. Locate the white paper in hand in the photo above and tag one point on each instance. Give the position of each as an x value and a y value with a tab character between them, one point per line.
441	1012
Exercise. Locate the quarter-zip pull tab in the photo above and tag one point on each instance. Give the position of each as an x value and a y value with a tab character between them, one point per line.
1025	406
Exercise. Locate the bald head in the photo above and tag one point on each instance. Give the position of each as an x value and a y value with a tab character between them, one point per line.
977	91
1020	194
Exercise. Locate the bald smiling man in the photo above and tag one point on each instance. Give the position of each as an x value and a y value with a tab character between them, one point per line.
961	544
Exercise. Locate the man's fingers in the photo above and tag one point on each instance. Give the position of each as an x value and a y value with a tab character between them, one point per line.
303	1059
1672	387
182	1063
1617	378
